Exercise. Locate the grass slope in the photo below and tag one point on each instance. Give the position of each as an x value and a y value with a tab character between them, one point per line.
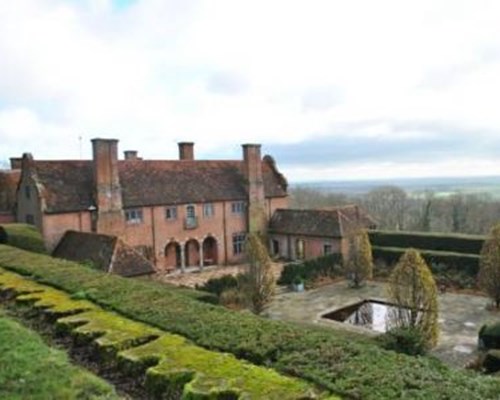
347	364
25	237
29	369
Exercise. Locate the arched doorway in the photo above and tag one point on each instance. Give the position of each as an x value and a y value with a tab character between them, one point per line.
173	256
192	250
210	251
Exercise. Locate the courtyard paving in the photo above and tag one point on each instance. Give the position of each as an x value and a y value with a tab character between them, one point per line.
460	315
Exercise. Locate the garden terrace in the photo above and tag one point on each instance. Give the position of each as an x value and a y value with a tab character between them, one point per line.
347	364
174	368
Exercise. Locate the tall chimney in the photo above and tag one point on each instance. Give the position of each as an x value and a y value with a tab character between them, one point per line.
257	220
108	196
186	151
15	162
130	155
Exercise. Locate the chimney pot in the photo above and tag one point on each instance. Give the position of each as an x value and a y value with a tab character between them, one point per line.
186	151
130	154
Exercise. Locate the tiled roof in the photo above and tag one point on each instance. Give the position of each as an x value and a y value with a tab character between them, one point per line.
104	252
9	180
69	186
334	222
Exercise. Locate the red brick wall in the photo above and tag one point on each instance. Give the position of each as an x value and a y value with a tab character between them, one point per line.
54	226
158	232
313	246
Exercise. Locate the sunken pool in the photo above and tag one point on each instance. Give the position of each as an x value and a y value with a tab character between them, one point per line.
370	314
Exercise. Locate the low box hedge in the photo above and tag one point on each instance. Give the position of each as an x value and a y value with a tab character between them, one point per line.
448	242
466	263
347	364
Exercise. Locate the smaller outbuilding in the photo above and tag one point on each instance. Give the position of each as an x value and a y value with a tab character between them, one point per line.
297	234
105	252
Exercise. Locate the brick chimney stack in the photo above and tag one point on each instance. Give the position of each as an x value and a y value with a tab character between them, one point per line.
186	151
108	194
252	161
130	155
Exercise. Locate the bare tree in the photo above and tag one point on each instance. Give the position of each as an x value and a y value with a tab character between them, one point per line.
388	204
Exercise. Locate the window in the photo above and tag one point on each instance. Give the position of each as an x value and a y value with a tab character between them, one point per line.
191	222
30	219
190	211
327	249
133	216
27	192
238	243
238	207
208	210
171	213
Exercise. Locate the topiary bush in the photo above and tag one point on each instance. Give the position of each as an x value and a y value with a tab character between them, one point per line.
491	363
25	237
489	336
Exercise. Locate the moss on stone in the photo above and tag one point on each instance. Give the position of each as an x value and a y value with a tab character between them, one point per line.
174	366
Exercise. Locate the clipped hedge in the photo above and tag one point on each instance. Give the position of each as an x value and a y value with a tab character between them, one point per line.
467	263
23	236
310	270
347	364
448	242
172	364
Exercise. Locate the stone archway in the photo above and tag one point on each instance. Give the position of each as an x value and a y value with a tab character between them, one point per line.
210	251
192	251
173	258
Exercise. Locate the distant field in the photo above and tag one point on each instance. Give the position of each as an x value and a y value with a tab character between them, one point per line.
440	186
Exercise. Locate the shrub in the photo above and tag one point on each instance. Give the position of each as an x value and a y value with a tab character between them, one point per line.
489	272
219	285
310	270
412	287
447	242
491	362
489	336
359	264
257	282
3	235
404	340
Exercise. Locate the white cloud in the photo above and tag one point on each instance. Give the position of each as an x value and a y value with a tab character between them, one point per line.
223	72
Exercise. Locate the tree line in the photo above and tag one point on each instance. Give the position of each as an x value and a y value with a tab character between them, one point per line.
394	209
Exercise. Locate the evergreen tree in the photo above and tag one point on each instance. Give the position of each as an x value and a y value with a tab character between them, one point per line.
359	263
257	283
489	271
412	288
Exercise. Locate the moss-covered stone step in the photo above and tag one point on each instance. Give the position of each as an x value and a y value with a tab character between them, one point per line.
172	364
205	374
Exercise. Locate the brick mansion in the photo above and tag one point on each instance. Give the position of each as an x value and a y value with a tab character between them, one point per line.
176	213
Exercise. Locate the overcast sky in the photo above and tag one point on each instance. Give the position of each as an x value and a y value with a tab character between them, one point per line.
332	89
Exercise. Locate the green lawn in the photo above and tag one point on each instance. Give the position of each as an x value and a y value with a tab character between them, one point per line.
29	369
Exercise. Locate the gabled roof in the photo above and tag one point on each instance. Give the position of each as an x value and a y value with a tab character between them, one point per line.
68	185
334	222
104	252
